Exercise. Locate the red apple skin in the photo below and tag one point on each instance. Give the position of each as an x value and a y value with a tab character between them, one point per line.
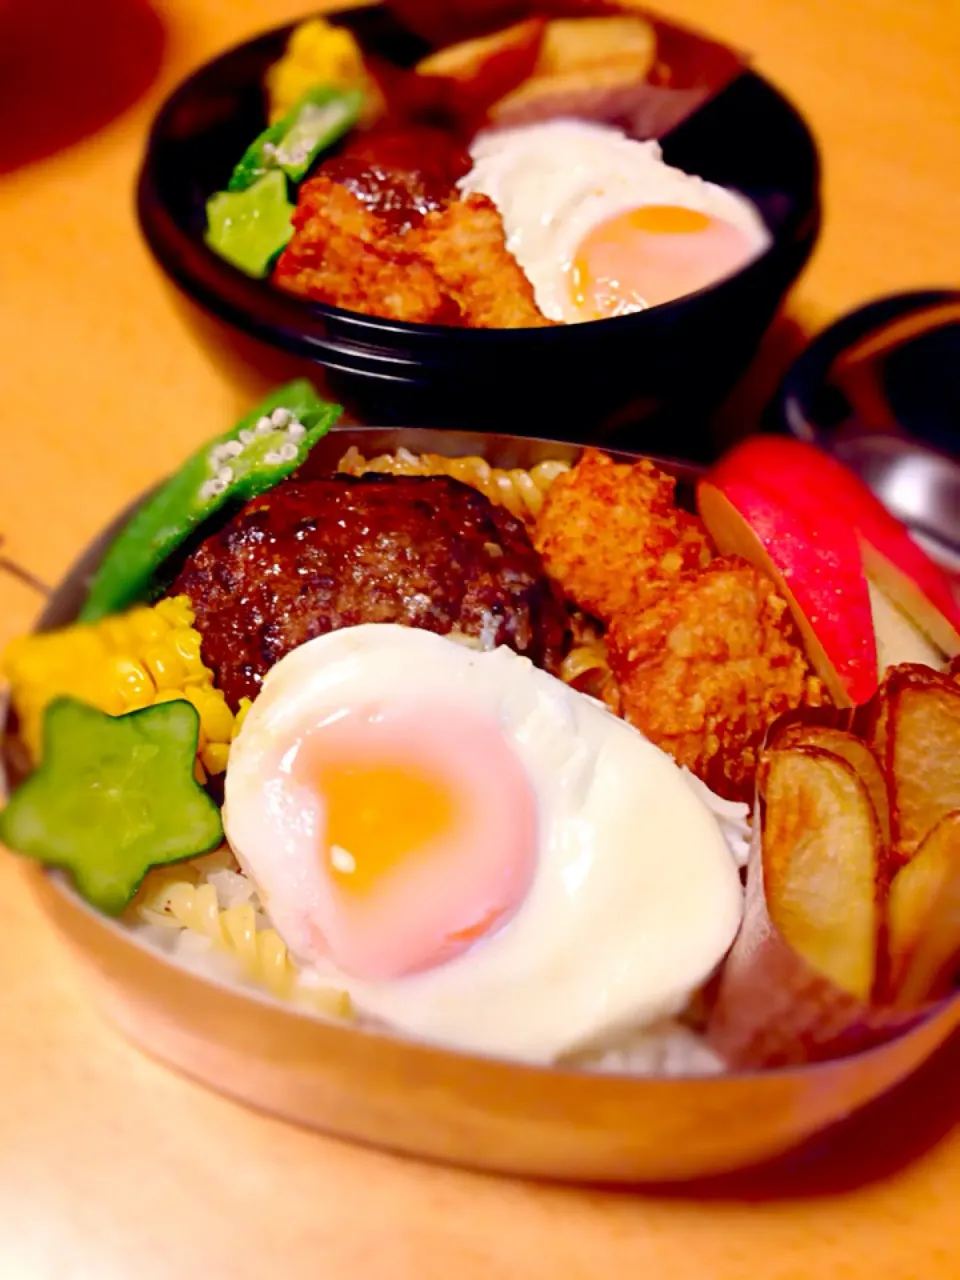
819	571
812	482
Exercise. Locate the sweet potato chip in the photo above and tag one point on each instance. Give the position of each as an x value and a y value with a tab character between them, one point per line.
873	719
834	954
775	1009
924	919
876	716
923	755
821	861
848	747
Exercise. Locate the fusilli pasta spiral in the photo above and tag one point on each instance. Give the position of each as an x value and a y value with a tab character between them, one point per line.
187	898
520	492
587	666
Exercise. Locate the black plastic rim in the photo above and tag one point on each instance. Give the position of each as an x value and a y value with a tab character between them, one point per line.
394	352
795	408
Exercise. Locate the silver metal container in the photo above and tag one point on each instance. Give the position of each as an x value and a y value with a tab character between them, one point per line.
469	1110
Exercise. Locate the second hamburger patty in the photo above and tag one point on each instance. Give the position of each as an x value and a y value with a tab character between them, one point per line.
313	556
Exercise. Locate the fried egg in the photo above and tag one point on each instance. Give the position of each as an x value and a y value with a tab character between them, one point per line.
601	225
479	855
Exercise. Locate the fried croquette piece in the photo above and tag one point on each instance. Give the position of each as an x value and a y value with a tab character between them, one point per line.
708	667
611	536
466	245
453	268
345	256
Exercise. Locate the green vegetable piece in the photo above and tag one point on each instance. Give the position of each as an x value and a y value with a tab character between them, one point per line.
113	797
250	227
319	119
255	455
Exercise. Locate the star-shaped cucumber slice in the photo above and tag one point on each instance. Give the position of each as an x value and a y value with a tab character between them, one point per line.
250	227
113	797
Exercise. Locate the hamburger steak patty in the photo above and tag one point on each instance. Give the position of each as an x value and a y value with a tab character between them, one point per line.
312	556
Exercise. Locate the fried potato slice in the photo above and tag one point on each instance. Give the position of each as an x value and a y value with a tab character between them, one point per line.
581	59
850	748
571	93
570	44
821	862
924	919
922	741
508	55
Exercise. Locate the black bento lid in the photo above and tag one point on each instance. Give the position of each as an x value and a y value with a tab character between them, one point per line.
880	390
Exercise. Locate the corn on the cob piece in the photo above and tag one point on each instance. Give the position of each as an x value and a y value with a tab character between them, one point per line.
320	53
128	661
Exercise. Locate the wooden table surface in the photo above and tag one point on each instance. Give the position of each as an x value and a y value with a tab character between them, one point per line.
111	1167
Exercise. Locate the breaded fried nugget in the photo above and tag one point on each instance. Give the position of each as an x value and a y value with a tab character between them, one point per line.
344	255
610	534
466	245
708	667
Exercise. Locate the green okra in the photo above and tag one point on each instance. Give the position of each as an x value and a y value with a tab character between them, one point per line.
264	447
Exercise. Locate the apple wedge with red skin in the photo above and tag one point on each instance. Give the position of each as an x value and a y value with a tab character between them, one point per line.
817	567
812	483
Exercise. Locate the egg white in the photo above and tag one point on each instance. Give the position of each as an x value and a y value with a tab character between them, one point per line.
636	897
553	182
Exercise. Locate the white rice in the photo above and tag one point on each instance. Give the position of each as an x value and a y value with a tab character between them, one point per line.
732	815
665	1049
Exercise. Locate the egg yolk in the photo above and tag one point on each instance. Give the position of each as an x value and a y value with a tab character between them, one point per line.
378	816
426	834
650	255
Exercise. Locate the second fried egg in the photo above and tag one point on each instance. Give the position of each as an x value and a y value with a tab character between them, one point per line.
602	226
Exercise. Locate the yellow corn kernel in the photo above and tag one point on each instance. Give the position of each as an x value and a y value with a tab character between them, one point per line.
135	702
115	632
176	610
187	646
120	664
165	665
214	757
319	53
134	683
199	773
195	696
313	35
17	652
216	716
148	626
113	701
170	695
53	655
